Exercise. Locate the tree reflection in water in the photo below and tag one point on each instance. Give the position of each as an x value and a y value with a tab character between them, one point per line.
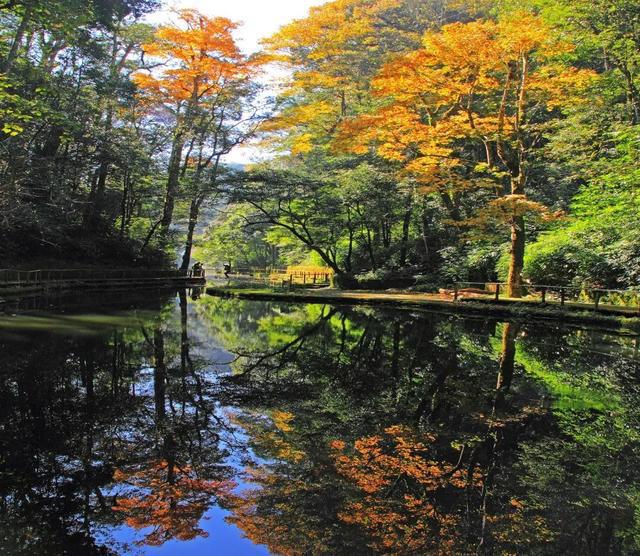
167	494
434	435
349	431
107	420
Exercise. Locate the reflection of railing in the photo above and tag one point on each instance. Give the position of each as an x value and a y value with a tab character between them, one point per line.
592	298
11	278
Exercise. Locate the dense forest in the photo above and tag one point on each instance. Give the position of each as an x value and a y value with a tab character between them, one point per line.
444	139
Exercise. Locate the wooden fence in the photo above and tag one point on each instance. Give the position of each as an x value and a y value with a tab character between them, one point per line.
20	279
273	277
591	298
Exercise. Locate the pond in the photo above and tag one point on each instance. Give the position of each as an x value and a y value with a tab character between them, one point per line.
180	424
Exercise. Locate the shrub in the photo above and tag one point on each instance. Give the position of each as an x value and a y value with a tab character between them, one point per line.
569	257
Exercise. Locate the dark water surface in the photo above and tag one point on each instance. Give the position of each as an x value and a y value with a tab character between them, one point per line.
210	426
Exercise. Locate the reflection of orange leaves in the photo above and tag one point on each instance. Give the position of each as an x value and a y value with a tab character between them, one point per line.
282	419
169	498
337	445
518	526
379	460
398	476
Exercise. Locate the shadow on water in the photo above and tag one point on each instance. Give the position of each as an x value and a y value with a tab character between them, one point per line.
195	424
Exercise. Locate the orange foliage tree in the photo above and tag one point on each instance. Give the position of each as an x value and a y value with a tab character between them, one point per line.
334	53
466	111
331	54
199	64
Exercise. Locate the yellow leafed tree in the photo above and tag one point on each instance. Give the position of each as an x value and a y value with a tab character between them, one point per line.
464	111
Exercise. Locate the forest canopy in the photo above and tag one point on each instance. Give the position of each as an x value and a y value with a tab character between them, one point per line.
449	140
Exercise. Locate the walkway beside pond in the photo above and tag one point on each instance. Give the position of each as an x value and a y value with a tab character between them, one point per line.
466	302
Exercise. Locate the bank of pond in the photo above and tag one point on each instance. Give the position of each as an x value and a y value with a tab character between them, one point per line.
188	424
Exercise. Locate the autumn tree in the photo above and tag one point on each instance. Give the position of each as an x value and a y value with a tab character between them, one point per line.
465	111
332	56
335	52
203	76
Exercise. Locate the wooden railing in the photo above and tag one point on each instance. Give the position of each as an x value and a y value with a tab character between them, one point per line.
590	297
12	278
273	277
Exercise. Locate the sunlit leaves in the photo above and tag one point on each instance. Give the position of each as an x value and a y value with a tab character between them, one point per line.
331	54
199	57
451	89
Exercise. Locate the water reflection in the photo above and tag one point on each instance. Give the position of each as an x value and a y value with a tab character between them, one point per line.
431	435
314	430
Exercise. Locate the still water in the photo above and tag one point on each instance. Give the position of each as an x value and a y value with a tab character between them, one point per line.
214	426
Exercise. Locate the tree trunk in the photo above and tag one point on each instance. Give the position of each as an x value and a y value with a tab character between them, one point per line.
102	182
44	165
194	210
516	261
518	240
405	235
385	232
96	196
347	260
632	96
452	208
173	180
425	241
124	203
372	257
147	239
17	39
